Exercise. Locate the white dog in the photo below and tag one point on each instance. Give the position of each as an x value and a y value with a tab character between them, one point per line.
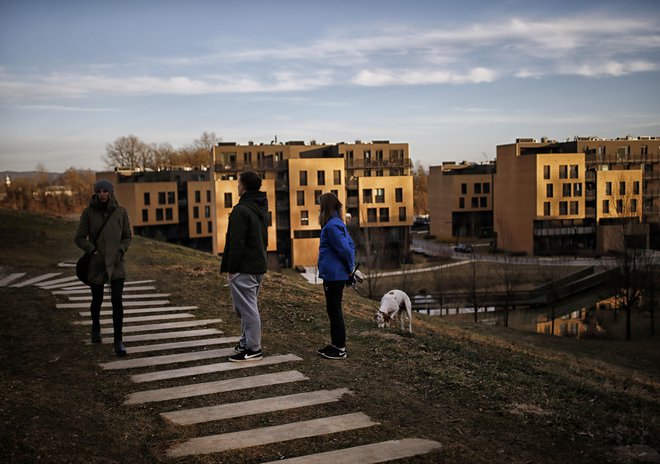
392	306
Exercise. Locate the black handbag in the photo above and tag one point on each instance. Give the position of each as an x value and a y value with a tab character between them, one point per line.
82	266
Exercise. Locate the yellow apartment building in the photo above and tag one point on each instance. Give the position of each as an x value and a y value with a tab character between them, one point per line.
461	200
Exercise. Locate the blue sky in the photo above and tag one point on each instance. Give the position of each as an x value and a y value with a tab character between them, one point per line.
452	79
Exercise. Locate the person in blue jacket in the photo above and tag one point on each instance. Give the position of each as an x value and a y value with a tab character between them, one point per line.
335	264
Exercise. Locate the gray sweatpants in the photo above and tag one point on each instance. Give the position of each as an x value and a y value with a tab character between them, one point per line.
244	291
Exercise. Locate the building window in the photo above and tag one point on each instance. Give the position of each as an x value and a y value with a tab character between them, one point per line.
161	198
483	202
159	214
606	206
195	212
398	194
303	177
300	198
209	227
335	192
170	198
147	198
461	202
477	188
475	202
320	177
548	191
563	171
622	188
208	196
563	208
608	188
366	196
577	189
145	215
574	208
380	195
384	215
198	196
574	171
228	200
367	173
336	174
371	215
207	211
198	227
619	206
317	197
633	205
169	215
636	187
304	218
379	173
464	189
547	211
486	187
566	190
546	172
402	214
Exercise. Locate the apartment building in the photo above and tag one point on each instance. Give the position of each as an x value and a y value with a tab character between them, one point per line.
563	197
461	200
372	179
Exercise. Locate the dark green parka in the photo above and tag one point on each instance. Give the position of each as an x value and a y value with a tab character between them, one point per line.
246	241
111	246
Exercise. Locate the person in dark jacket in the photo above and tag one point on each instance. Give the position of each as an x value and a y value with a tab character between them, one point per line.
335	264
108	250
244	259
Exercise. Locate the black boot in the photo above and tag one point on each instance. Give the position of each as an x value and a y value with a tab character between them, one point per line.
96	335
119	349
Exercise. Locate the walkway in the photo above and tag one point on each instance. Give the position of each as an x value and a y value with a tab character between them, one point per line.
151	317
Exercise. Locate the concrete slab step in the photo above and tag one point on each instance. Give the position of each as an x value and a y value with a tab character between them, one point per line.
107	304
163	336
54	283
127	296
274	434
127	285
163	326
212	368
209	388
369	454
108	312
167	359
184	344
153	317
107	290
10	278
252	407
34	280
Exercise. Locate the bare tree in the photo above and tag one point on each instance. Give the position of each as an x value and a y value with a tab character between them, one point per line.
129	152
420	189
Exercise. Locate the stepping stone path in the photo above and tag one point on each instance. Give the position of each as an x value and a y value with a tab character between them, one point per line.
182	335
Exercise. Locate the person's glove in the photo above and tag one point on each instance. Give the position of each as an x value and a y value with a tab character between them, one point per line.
351	280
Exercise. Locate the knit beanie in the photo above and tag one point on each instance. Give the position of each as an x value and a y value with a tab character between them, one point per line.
104	184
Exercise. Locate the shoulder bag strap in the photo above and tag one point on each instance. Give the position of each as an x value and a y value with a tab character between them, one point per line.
102	226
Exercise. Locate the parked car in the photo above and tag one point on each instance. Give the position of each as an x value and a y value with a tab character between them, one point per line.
463	248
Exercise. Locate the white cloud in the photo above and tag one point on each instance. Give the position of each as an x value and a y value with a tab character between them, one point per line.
421	77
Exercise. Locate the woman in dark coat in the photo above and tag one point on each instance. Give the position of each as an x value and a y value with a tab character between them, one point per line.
107	249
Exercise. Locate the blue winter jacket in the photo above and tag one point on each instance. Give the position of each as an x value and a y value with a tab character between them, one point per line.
336	251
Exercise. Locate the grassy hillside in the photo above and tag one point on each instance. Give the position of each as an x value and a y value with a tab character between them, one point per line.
487	394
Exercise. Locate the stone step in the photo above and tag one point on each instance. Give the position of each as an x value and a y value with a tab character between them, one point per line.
127	296
209	388
34	280
369	454
186	344
163	336
107	290
107	304
266	435
252	407
212	368
108	312
63	281
163	326
156	317
127	285
167	359
10	278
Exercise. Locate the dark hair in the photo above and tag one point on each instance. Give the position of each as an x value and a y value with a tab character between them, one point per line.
330	206
250	180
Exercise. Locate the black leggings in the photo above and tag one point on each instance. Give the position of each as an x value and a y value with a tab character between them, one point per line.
334	290
116	298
